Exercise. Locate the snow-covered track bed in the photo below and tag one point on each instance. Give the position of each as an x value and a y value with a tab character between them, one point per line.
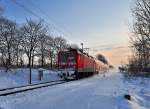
19	89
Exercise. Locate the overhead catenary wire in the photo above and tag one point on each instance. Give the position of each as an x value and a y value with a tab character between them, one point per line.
51	24
96	48
49	19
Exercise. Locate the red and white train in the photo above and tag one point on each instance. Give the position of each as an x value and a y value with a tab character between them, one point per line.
74	64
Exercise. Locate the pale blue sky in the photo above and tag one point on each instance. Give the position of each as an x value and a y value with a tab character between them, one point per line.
93	22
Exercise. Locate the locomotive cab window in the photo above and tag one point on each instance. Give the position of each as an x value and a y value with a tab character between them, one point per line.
63	57
67	57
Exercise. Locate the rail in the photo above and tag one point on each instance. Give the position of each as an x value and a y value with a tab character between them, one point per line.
19	89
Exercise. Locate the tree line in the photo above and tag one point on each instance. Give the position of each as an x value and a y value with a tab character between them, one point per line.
21	45
140	41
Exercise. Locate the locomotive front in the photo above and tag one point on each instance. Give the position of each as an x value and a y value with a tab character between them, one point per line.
67	64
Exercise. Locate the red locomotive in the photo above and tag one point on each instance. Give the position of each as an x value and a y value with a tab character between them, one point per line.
74	64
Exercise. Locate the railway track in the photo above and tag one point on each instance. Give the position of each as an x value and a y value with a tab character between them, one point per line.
19	89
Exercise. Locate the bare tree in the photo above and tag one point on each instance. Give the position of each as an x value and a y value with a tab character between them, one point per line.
31	32
7	38
43	42
51	50
41	50
60	44
17	49
140	42
31	39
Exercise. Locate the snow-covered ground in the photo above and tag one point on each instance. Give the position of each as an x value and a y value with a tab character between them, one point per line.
97	92
18	77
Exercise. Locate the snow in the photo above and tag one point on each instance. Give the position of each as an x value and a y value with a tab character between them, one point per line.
19	77
3	92
97	92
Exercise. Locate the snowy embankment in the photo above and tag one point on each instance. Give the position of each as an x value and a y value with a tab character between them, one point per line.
97	92
18	77
139	88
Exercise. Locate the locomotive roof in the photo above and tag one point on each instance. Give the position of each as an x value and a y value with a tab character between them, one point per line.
80	51
77	50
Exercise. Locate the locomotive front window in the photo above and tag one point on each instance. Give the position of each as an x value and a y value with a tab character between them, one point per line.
63	58
71	57
67	57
